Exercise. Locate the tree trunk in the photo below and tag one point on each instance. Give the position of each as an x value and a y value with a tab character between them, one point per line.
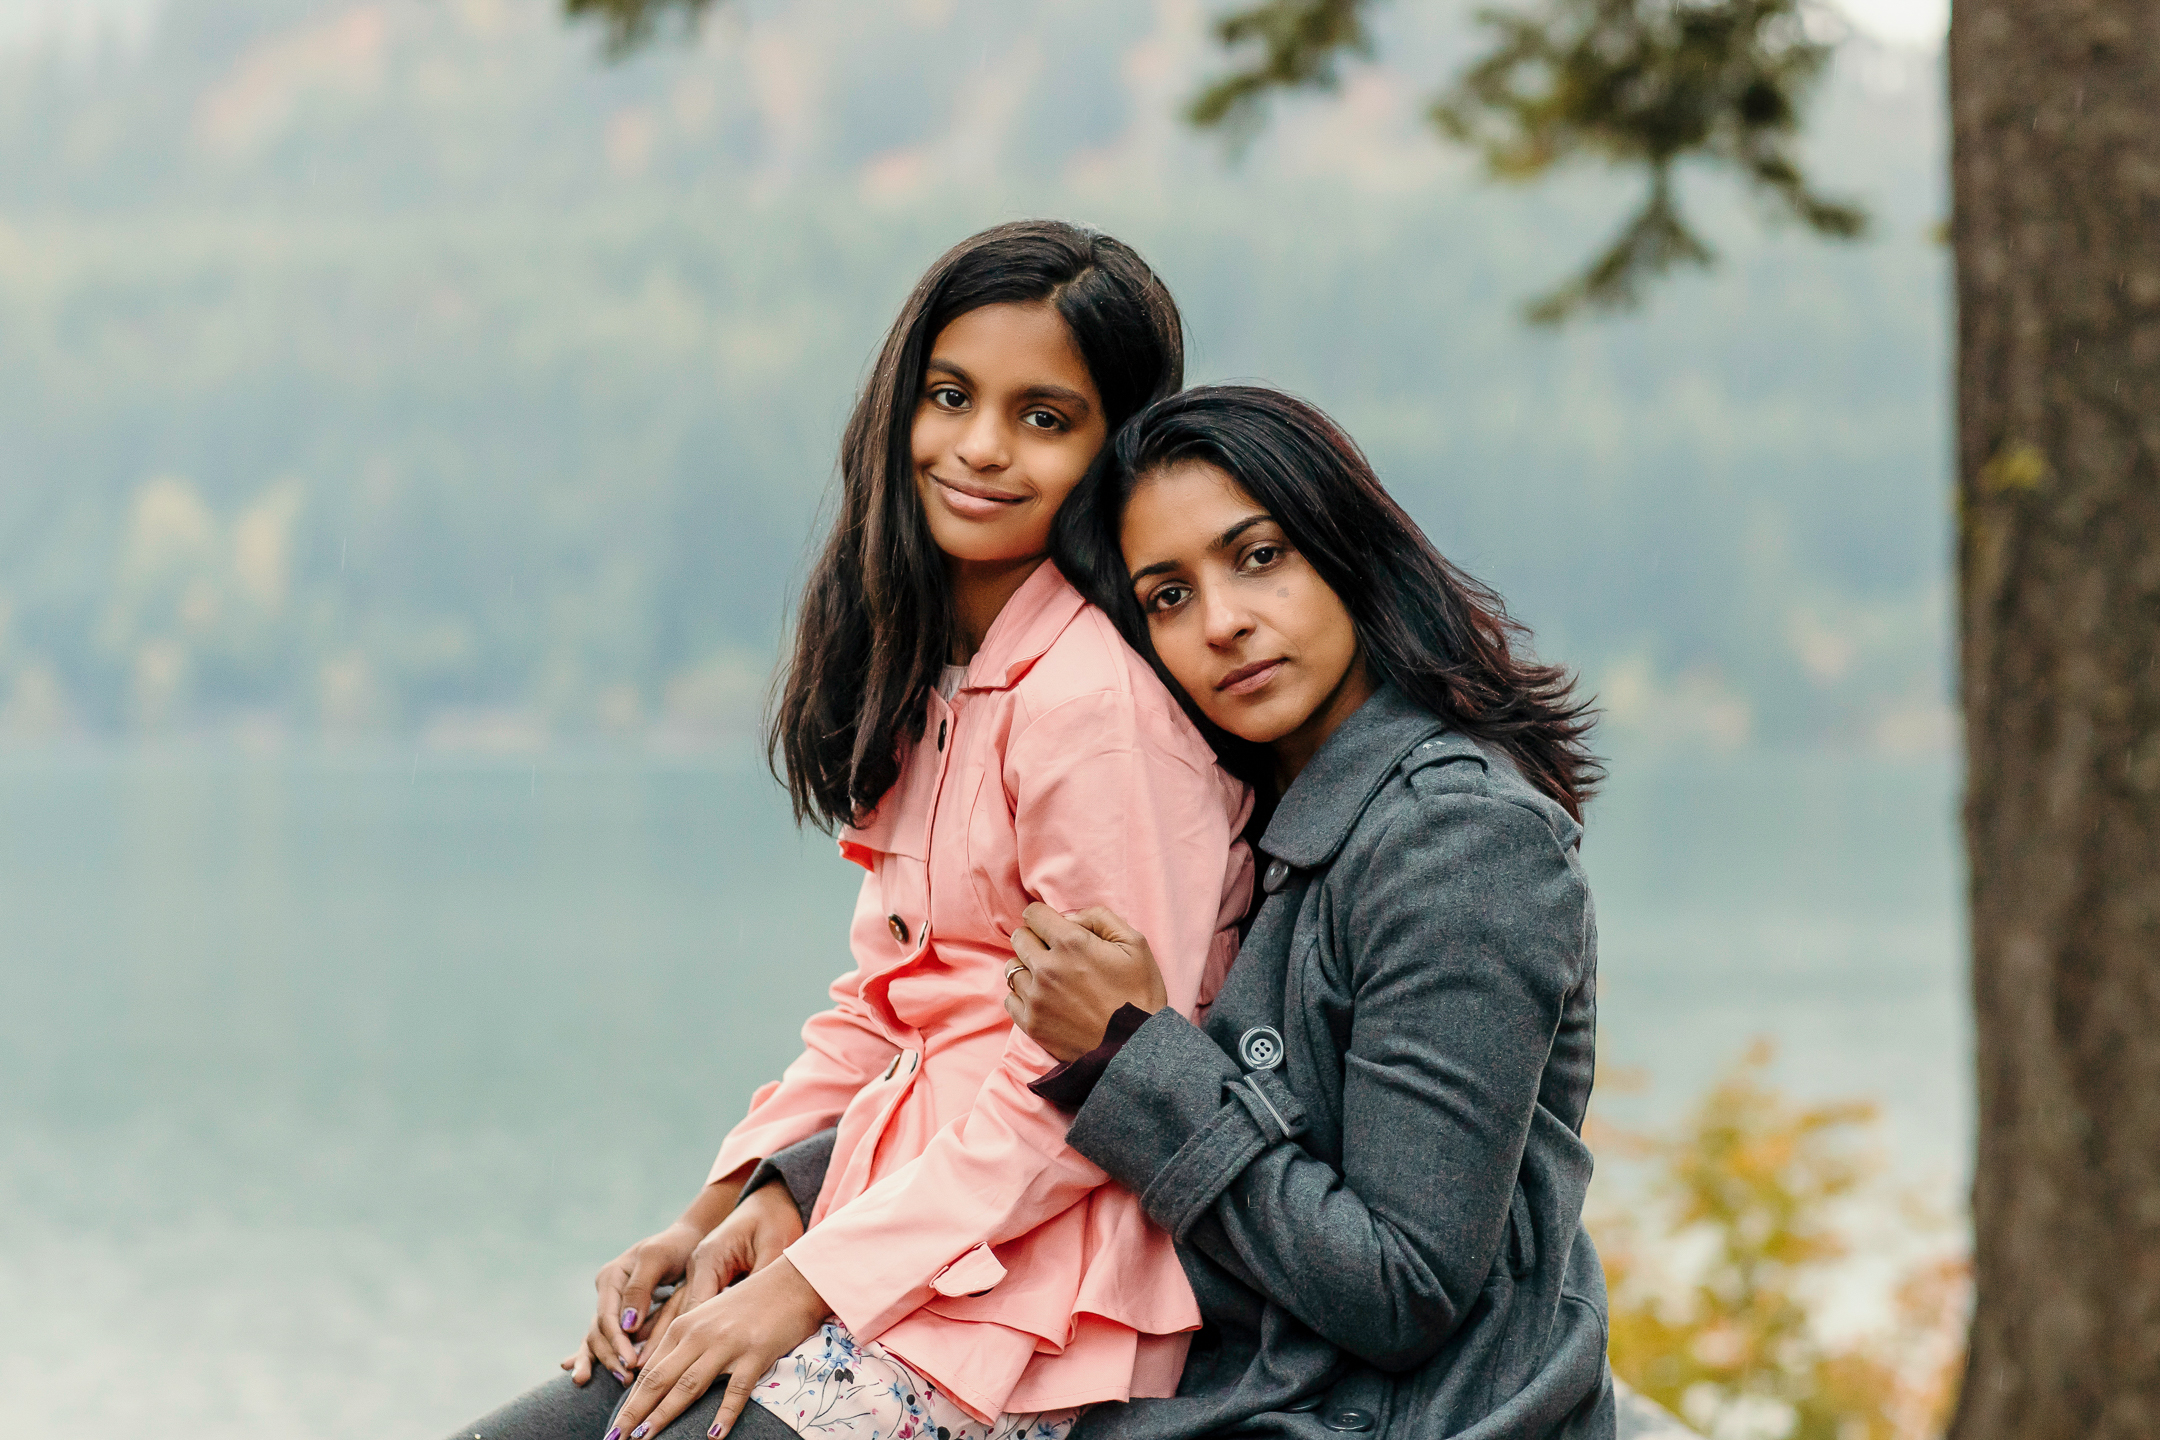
2056	171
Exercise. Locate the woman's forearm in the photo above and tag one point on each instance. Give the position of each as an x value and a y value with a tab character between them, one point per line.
1216	1159
712	1203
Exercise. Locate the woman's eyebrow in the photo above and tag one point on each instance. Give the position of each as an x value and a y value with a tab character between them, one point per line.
1220	542
947	366
1229	536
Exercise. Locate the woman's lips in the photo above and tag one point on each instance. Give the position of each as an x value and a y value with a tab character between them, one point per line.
975	502
1248	678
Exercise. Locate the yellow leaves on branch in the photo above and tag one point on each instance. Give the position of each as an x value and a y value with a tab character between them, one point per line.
2017	466
1719	1276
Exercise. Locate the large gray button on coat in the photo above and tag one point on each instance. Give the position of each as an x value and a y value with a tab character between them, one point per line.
1261	1048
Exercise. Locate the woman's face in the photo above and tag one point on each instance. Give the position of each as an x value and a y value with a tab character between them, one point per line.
1239	617
1007	423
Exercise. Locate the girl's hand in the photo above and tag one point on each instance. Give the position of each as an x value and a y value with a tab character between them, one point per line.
750	1239
738	1333
625	1285
1080	970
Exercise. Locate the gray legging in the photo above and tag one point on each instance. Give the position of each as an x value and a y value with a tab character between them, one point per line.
560	1410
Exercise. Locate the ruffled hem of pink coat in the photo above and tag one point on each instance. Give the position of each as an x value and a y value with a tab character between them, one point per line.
1072	1313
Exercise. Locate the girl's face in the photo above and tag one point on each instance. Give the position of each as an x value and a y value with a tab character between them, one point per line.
1239	617
1007	423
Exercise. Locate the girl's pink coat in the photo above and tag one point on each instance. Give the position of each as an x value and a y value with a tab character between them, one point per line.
955	1226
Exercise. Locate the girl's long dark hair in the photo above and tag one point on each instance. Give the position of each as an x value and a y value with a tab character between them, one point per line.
876	620
1440	637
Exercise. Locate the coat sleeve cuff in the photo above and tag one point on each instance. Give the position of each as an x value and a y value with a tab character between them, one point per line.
1070	1084
800	1167
1173	1120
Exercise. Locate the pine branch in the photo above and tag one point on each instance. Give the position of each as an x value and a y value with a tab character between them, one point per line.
1299	42
1627	83
632	24
1652	243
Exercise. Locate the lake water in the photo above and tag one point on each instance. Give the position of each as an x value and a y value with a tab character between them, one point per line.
326	1082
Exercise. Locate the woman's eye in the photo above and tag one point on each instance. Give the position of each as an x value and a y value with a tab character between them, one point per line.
1168	597
1262	556
1043	420
951	397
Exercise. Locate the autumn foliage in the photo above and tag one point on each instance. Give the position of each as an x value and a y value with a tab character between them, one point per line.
1720	1267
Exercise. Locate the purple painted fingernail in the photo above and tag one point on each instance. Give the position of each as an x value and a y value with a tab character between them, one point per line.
638	1434
629	1319
613	1434
714	1433
620	1378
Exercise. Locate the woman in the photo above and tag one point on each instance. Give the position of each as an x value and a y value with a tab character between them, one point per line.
1370	1150
980	736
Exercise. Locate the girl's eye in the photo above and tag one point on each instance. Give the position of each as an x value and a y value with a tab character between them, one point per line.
949	396
1165	598
1043	420
1262	555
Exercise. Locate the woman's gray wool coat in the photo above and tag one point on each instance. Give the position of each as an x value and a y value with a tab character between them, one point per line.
1370	1152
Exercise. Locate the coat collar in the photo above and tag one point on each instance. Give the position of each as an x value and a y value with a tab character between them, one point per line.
1315	814
1025	629
1022	634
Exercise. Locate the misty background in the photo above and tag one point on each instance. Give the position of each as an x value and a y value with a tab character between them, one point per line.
412	430
401	370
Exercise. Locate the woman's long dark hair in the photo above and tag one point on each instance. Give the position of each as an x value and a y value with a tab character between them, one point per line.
876	621
1436	634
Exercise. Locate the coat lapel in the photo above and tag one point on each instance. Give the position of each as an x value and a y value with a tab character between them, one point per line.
1315	814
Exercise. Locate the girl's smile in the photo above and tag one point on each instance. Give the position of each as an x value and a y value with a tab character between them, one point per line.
973	500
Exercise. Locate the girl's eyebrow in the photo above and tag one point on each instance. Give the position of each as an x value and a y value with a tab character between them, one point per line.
1072	399
1221	542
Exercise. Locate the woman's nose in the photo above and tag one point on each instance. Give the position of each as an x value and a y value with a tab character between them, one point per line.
1226	622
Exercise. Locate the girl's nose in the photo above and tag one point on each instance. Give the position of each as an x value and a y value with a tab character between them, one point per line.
982	444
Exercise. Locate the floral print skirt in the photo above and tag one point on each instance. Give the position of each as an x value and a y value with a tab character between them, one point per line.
833	1387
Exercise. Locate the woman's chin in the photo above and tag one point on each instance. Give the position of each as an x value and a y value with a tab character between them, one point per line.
1254	724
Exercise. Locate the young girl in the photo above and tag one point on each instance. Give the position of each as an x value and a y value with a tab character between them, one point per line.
1370	1152
982	738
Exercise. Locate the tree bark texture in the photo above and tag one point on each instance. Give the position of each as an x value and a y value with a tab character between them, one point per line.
2056	176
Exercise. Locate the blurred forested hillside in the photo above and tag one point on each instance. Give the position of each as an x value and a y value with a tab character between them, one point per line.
401	368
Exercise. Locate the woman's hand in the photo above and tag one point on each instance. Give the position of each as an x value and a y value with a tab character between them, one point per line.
625	1285
752	1237
738	1333
1080	970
